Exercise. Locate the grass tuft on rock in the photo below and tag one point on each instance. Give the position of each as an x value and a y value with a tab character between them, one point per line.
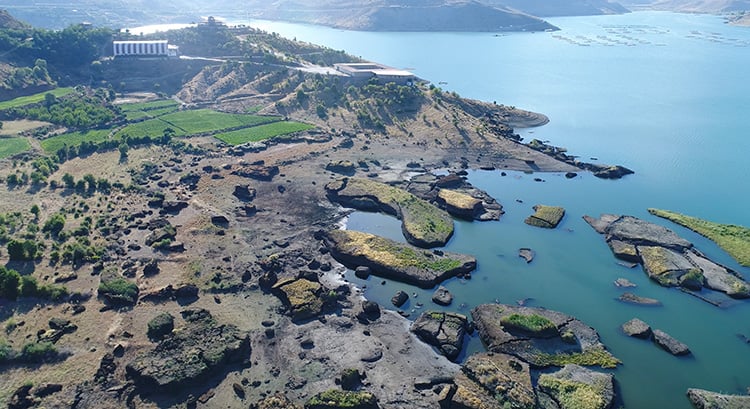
591	357
533	324
570	394
734	239
334	398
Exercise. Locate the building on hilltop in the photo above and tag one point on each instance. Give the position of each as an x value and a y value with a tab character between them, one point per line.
366	71
144	48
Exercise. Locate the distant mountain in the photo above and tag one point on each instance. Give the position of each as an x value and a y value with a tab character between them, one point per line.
399	15
690	6
9	22
550	8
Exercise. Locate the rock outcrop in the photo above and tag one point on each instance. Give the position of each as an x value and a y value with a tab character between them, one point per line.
637	328
398	261
666	257
576	387
545	216
301	296
442	296
423	224
540	337
443	330
493	380
198	349
703	399
456	195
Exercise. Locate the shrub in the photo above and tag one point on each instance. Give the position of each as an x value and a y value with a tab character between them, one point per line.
9	282
22	250
119	291
37	352
54	224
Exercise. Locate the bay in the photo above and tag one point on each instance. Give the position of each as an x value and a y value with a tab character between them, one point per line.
664	94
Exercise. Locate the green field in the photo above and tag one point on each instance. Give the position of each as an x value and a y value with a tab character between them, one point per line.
206	120
12	146
53	144
151	127
33	99
261	132
734	239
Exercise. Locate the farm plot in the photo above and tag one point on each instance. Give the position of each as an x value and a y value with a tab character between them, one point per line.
262	132
33	99
12	146
53	144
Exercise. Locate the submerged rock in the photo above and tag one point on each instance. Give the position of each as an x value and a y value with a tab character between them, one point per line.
635	299
526	254
399	299
670	344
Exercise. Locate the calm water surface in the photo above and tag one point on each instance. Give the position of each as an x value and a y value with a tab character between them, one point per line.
664	94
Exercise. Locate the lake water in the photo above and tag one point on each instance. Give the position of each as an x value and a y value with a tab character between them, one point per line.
663	94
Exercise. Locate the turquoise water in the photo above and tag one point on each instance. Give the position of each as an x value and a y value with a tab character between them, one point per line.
664	94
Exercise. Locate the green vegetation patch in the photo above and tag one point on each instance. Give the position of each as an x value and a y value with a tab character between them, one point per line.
55	143
571	394
148	106
118	290
151	127
590	357
34	99
13	146
206	120
334	398
262	132
532	324
734	239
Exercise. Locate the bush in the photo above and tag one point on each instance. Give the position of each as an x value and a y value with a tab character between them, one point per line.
22	250
37	352
119	291
9	282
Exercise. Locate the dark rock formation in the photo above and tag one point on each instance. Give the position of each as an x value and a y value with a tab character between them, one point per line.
455	195
257	172
245	193
301	296
670	344
625	283
443	330
637	328
184	357
399	299
160	326
442	296
343	167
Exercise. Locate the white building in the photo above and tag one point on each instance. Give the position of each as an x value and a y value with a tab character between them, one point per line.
144	48
372	70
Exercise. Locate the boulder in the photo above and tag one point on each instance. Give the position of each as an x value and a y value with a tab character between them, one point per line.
624	283
443	330
160	326
257	172
545	216
492	380
539	336
624	251
703	399
343	167
151	267
635	299
399	299
199	349
173	206
394	260
577	387
245	193
362	272
637	328
670	344
612	172
642	233
301	296
442	296
459	204
526	254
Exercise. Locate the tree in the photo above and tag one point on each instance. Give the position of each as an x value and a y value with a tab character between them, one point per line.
49	99
35	211
9	282
68	180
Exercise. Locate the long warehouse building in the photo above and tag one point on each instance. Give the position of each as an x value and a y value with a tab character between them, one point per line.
151	48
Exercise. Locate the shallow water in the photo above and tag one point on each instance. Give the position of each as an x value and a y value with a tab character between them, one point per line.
664	94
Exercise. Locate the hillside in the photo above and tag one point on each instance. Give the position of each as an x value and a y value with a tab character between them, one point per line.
545	8
9	22
690	6
390	15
